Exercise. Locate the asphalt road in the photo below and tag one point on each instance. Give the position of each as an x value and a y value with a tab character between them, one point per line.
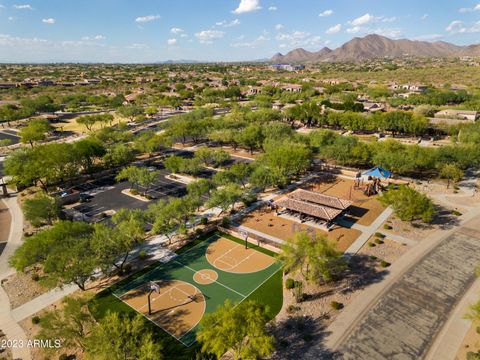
10	135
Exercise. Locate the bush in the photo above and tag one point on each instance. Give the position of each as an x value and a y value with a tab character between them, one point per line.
35	277
409	204
64	357
292	308
379	235
373	257
226	222
142	255
387	227
289	283
335	305
384	264
371	244
379	241
35	320
134	191
456	213
204	221
298	292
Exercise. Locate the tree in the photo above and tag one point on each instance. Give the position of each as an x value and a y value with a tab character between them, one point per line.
41	209
63	251
251	137
130	111
240	329
226	196
35	131
71	324
118	337
87	151
138	175
118	155
451	172
315	257
408	204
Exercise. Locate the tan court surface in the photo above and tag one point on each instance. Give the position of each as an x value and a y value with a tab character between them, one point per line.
177	308
192	286
232	257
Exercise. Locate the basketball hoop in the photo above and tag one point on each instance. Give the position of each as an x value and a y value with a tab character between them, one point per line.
154	287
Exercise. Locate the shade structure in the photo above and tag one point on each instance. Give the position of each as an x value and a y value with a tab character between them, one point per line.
378	172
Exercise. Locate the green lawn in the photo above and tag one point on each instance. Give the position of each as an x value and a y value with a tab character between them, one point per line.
264	286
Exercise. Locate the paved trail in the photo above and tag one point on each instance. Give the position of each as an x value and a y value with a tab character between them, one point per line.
405	320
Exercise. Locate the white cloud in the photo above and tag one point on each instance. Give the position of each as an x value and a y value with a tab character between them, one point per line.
227	24
49	21
279	27
472	9
23	7
364	20
273	8
246	6
176	30
252	44
172	41
326	13
183	35
10	18
388	32
424	17
137	46
429	37
96	37
299	38
2	6
334	29
390	19
147	18
456	27
207	36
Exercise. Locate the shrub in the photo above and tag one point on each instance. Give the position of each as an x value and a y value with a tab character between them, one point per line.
298	292
371	244
409	204
373	257
63	357
456	213
35	320
307	337
226	222
379	235
142	255
204	220
134	191
384	264
292	308
35	277
289	283
379	241
336	305
387	227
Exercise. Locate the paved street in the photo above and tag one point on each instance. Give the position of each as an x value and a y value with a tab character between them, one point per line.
405	321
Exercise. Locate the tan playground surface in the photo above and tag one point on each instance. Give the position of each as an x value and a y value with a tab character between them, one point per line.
232	257
177	308
364	210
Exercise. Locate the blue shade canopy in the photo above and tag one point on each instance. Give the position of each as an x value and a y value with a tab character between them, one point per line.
378	172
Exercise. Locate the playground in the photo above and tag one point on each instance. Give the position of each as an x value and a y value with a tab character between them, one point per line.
176	295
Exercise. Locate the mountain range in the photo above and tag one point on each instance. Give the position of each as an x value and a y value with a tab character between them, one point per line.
374	47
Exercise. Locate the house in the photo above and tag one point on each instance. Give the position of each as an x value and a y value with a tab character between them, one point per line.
458	114
277	105
294	88
373	107
286	67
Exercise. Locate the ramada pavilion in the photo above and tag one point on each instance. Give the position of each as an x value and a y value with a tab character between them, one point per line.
312	206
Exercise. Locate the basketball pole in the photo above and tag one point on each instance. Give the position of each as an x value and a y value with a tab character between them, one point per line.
149	302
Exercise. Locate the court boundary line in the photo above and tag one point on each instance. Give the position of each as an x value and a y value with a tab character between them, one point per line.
165	330
240	272
218	282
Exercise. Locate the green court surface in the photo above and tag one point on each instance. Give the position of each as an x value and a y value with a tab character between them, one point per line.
234	286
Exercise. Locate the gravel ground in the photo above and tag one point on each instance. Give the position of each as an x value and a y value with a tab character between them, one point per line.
21	289
389	251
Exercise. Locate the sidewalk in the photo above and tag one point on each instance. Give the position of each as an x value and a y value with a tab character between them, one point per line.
8	325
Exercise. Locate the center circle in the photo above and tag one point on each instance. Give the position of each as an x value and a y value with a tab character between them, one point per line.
205	276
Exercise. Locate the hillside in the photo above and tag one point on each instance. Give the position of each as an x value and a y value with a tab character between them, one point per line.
376	46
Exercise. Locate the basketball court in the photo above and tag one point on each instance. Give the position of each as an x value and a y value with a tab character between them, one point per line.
176	295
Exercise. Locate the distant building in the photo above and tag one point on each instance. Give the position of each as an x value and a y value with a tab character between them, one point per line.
458	114
287	67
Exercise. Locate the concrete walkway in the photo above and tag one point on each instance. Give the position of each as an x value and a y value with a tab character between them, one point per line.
368	231
8	324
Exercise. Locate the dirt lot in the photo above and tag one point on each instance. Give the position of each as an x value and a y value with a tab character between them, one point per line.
364	210
21	289
471	342
389	251
266	221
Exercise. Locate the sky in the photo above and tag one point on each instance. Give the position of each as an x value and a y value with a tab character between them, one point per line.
136	31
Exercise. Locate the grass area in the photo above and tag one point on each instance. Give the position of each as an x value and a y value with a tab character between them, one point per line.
72	125
269	293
